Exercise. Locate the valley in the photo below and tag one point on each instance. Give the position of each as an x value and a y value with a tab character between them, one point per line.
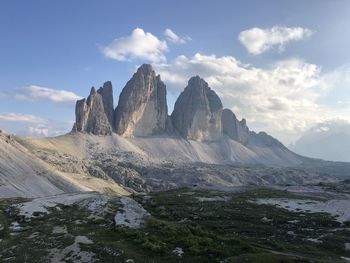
182	225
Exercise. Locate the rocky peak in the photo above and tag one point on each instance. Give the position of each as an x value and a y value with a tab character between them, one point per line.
106	91
142	108
91	115
197	112
93	90
142	111
145	70
236	130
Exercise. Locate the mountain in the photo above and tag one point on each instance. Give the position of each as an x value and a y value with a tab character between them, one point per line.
233	128
198	130
142	108
142	111
95	114
197	112
137	146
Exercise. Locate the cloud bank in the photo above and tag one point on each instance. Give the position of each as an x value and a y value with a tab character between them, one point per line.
257	40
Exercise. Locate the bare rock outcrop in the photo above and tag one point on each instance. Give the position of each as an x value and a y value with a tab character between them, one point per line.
106	91
142	108
197	112
233	128
90	113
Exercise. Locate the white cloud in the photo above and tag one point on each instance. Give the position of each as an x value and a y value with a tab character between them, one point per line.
36	93
20	117
39	131
282	98
174	38
31	125
139	45
257	40
338	81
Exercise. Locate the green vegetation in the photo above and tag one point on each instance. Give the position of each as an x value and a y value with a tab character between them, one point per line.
225	227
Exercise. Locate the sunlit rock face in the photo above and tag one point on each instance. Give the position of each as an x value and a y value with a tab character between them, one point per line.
142	108
197	112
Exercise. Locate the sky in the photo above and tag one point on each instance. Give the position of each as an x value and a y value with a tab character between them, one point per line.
281	65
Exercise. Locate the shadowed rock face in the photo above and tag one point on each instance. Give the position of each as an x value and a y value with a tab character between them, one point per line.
197	112
90	114
106	91
142	108
236	130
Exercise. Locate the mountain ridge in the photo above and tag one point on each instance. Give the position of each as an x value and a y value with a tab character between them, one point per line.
142	111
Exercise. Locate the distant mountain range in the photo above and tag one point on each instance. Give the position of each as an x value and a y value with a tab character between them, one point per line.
329	141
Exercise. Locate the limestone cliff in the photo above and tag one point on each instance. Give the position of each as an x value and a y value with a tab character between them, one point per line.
90	114
142	108
236	130
197	112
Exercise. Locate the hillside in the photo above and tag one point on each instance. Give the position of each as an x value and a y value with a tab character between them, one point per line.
22	174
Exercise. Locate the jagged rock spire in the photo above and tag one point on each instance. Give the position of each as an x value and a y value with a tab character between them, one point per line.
92	114
106	91
236	130
142	108
142	111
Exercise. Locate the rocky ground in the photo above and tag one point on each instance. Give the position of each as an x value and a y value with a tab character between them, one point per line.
120	160
149	209
184	225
